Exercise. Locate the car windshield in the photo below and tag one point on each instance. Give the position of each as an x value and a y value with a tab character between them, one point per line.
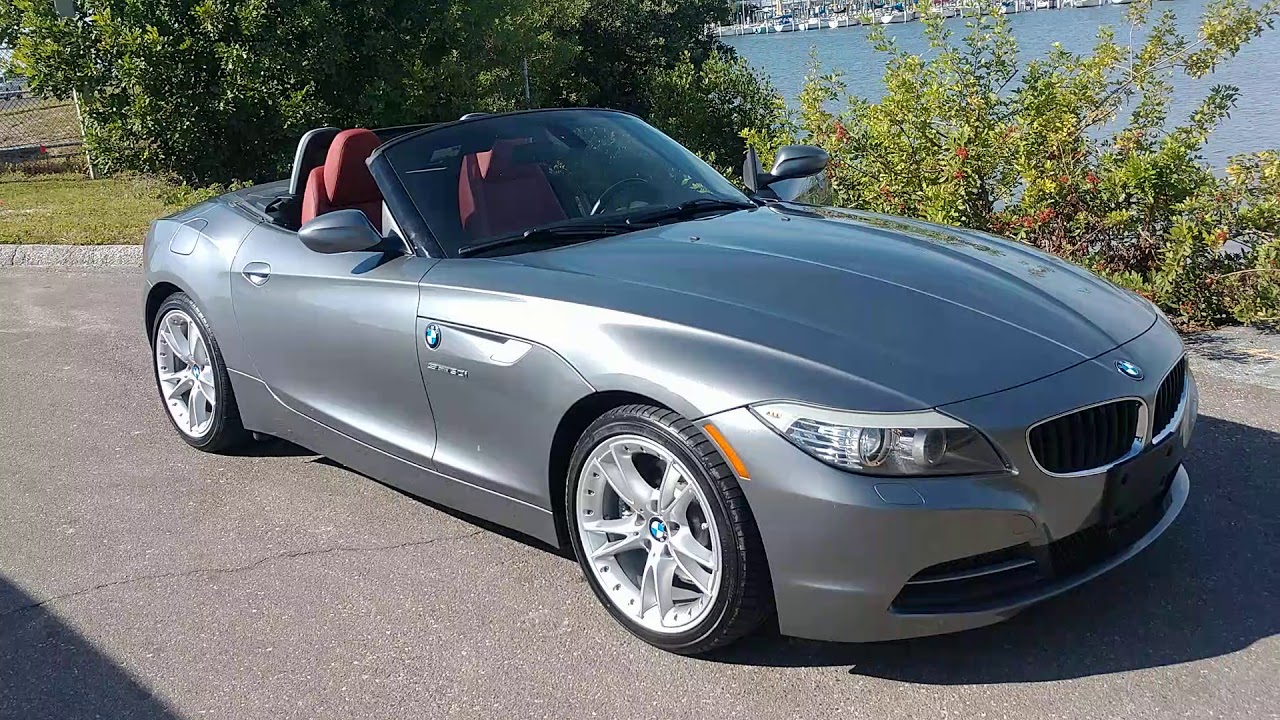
559	173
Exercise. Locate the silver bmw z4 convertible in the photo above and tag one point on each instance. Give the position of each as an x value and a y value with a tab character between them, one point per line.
726	406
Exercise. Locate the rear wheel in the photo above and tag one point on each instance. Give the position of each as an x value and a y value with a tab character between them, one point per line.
663	533
192	378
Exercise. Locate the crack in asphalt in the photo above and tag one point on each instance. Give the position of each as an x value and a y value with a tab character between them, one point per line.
285	555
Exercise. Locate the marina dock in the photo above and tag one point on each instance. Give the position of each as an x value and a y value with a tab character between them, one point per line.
762	18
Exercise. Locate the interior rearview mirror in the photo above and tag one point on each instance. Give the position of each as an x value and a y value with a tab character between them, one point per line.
791	162
339	231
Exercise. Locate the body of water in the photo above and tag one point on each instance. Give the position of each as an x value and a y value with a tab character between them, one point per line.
785	58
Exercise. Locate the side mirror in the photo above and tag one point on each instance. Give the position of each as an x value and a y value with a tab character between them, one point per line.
792	162
798	161
338	232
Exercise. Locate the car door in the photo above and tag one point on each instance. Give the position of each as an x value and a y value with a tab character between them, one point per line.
334	336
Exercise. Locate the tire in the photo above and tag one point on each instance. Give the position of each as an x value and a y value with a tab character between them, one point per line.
218	428
740	595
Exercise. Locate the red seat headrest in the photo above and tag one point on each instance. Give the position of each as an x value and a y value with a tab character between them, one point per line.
500	162
346	174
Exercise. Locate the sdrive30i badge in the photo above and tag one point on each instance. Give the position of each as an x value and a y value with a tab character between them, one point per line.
446	369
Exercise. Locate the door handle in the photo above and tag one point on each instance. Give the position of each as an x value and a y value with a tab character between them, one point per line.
257	272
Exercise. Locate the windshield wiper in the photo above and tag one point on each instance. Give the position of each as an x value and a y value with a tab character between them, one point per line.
690	209
576	230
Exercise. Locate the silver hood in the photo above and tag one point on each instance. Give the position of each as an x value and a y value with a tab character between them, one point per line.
930	314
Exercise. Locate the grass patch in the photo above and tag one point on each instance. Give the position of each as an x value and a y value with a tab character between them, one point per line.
70	209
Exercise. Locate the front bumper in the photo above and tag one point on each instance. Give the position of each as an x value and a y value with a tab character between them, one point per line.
857	558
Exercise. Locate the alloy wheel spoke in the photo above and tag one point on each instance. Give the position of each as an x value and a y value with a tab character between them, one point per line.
206	388
204	414
656	585
171	336
206	409
615	480
685	595
183	382
669	486
694	573
195	408
624	526
696	563
632	541
665	575
619	526
679	508
685	545
182	333
626	480
169	377
195	342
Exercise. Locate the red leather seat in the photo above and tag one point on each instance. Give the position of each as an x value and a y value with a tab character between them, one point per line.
499	196
344	182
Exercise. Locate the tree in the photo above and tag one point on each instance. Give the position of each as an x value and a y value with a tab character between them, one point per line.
215	90
9	18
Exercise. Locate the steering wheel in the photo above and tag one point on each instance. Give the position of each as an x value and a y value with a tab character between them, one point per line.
613	189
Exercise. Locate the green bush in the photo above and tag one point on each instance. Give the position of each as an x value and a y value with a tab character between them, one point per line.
706	106
967	135
218	90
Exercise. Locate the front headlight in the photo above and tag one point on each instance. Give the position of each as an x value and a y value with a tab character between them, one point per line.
914	443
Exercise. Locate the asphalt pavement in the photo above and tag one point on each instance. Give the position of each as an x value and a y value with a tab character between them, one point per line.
142	579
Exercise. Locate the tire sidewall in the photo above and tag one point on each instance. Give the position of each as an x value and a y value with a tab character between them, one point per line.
221	381
609	426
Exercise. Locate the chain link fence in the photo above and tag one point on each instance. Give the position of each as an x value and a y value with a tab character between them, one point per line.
35	131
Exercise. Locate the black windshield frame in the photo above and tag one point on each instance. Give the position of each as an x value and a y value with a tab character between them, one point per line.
430	239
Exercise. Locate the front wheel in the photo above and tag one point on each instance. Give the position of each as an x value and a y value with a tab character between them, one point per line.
663	532
192	378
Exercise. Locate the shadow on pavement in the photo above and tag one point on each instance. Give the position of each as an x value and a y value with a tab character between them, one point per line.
1230	348
1209	587
48	670
271	447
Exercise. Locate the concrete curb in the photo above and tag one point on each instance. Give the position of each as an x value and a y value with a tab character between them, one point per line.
70	255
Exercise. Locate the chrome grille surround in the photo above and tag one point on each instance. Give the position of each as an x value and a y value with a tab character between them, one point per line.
1140	434
1175	381
1146	433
